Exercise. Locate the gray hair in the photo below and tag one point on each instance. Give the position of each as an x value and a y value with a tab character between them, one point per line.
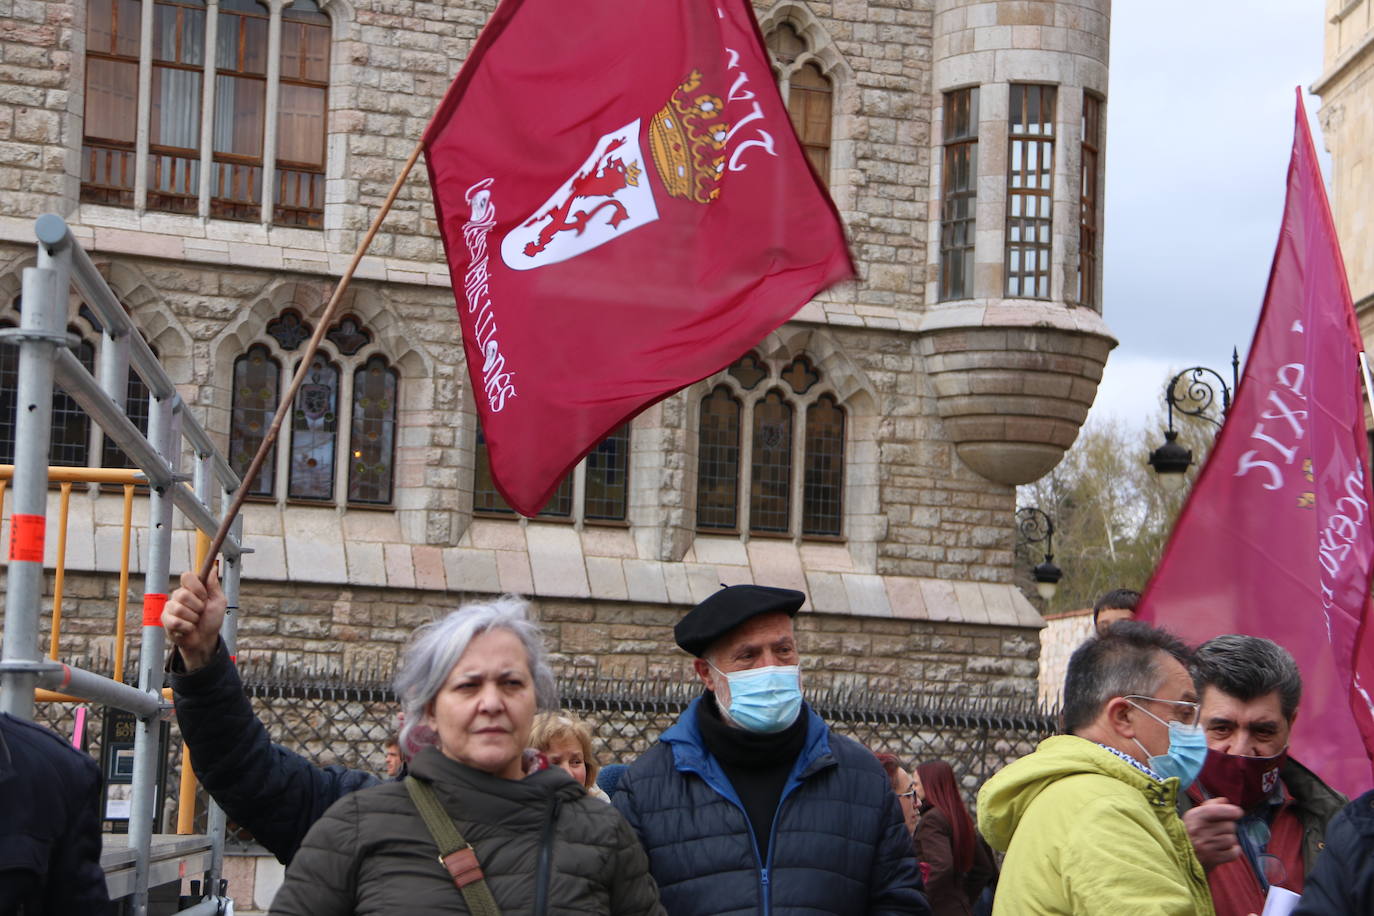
436	647
1247	668
1123	663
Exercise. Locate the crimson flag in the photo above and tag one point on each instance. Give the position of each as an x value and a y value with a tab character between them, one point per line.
625	210
1275	539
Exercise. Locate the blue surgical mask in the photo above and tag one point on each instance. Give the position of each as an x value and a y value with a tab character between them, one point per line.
1186	754
764	699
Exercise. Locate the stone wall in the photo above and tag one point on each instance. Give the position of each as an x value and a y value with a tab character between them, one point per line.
329	629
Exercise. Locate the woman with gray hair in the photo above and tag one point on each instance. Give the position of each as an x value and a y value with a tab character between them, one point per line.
469	831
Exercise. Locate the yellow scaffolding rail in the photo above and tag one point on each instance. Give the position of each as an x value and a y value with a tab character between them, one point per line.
128	480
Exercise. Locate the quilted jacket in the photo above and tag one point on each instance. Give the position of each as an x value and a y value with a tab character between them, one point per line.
838	842
544	844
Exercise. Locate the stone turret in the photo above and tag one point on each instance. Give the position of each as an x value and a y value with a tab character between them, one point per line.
1012	330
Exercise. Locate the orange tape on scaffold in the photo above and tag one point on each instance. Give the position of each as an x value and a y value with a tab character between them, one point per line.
153	604
26	538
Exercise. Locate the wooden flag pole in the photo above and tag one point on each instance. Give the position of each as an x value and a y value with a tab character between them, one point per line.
285	406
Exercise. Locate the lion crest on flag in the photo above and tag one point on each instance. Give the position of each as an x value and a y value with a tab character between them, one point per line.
609	195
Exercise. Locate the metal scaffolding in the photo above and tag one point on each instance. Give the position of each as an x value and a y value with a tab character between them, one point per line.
44	359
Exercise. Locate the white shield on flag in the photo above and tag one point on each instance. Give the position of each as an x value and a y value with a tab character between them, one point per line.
606	198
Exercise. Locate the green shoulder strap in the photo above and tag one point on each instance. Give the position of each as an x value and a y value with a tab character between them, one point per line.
454	852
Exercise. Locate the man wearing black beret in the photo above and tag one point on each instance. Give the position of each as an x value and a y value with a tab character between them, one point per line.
750	804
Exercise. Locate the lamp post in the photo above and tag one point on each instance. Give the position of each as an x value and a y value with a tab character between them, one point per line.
1034	526
1193	394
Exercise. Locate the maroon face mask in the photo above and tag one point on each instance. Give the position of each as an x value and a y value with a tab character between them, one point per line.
1244	781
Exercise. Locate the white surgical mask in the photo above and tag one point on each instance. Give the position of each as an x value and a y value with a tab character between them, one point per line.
764	699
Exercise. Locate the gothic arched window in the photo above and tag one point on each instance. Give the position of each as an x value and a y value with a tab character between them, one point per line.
782	462
808	92
347	378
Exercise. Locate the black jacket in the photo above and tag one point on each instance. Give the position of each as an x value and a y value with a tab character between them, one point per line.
273	792
839	844
49	825
544	844
1343	881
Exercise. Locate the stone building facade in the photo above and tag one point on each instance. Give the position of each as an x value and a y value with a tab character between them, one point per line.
1346	87
223	191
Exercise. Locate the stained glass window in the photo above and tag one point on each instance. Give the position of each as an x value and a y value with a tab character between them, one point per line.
289	330
823	480
800	376
372	441
607	482
314	423
257	378
718	461
770	495
348	335
749	370
772	454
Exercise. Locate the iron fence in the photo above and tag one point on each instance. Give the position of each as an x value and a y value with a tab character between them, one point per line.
344	719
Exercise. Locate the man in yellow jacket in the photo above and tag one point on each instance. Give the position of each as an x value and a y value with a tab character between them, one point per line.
1088	821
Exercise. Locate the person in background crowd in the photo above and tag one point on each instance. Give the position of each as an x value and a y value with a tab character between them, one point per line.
750	803
395	761
1117	604
1251	689
1343	879
903	785
567	742
538	843
1088	821
961	864
49	825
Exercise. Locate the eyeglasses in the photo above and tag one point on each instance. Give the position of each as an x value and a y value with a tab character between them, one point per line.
1183	712
909	793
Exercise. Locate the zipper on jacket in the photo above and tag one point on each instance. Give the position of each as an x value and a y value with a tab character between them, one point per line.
763	879
541	880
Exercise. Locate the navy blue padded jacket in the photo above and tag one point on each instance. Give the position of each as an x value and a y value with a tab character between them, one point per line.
838	844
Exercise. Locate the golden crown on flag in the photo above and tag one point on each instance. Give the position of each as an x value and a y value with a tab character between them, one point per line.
686	139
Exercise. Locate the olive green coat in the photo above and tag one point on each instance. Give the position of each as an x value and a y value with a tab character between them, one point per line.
545	846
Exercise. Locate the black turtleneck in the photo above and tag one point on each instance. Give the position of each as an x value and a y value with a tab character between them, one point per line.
757	765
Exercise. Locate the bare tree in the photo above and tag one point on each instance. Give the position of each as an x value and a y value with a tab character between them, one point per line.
1112	515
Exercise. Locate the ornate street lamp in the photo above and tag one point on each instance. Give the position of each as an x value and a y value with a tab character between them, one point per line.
1192	393
1034	526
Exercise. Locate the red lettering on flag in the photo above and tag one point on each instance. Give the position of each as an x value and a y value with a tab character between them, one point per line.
625	209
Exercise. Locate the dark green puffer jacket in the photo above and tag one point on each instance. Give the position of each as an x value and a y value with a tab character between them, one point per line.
545	846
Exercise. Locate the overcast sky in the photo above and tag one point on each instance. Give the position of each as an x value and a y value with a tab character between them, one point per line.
1199	128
